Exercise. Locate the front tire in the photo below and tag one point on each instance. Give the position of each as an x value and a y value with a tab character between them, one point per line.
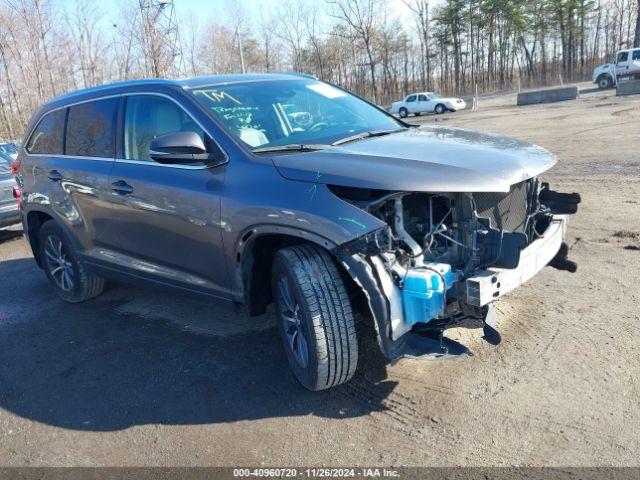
604	82
73	283
440	109
404	113
315	318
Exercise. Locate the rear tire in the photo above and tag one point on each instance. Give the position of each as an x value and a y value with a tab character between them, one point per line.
315	318
70	278
404	113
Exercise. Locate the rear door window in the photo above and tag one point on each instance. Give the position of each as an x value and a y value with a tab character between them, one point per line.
91	128
47	136
149	116
636	55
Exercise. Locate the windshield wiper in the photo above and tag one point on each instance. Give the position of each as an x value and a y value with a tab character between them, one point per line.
293	147
362	135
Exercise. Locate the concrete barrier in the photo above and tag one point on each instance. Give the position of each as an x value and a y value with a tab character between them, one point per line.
629	87
548	96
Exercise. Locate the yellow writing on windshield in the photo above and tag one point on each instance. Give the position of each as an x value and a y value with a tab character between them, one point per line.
216	95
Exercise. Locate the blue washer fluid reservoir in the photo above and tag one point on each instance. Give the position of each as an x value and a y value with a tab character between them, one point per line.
424	292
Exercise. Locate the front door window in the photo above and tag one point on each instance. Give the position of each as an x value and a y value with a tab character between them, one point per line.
150	116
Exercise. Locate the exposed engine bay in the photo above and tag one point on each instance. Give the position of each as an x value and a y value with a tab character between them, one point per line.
440	259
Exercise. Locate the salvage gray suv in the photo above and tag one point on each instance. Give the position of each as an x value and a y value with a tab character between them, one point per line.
255	189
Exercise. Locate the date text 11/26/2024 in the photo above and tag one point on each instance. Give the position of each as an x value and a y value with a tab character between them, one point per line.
316	473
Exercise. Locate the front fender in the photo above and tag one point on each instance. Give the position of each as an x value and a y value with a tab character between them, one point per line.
285	207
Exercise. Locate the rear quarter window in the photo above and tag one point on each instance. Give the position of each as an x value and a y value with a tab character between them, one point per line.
47	136
91	128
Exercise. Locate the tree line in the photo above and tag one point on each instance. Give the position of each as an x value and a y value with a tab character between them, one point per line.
450	46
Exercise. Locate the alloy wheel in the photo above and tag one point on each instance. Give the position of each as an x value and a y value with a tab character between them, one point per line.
59	263
290	316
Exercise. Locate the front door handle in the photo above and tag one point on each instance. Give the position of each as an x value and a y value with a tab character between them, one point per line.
122	188
55	175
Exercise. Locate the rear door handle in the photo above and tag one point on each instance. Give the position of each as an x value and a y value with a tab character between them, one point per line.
55	175
121	187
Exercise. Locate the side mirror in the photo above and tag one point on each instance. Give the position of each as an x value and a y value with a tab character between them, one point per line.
179	147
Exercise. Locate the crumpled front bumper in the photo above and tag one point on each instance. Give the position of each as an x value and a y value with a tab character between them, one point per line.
395	336
493	283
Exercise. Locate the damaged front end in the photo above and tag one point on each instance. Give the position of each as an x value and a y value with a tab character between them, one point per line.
442	258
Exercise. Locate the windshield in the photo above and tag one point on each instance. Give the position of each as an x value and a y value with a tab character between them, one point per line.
434	96
284	112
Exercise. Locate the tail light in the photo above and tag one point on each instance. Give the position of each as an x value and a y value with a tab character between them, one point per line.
15	166
17	194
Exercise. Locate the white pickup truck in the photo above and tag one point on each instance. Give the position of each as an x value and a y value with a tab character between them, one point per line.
626	65
431	102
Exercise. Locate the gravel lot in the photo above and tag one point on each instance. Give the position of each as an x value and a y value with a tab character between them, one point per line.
144	378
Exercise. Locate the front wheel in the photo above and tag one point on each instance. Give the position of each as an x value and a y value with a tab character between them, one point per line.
440	109
604	82
404	113
315	319
64	270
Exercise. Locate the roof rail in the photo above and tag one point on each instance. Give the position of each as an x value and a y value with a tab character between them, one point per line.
301	74
107	86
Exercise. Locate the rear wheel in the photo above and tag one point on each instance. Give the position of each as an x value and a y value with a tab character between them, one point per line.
315	318
440	109
62	267
404	113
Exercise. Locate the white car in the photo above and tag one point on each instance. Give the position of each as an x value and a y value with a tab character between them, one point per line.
430	102
626	65
10	149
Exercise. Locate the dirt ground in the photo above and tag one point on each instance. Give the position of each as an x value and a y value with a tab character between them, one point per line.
144	378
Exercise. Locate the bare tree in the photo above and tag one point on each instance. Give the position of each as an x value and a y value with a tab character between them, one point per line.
268	42
360	16
291	30
636	38
312	30
420	9
190	44
88	43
